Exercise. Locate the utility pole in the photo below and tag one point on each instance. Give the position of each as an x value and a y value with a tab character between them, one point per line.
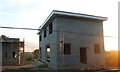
18	56
23	52
62	49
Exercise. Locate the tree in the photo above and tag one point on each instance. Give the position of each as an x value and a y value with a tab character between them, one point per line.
28	57
3	37
36	54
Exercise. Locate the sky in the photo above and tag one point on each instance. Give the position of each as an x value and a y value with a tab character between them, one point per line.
32	14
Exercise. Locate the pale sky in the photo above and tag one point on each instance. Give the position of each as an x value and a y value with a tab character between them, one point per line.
32	14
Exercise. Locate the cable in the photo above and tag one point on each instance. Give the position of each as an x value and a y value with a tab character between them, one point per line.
55	31
18	28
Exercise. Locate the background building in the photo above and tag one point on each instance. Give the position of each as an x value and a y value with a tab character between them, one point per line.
12	51
72	40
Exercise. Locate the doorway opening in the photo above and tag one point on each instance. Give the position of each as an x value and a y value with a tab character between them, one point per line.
83	55
48	53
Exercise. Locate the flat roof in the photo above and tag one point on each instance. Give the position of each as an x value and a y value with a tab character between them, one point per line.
79	15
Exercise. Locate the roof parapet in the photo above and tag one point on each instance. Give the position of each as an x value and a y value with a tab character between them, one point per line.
80	15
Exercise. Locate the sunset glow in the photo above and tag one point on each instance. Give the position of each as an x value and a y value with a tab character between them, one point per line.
111	44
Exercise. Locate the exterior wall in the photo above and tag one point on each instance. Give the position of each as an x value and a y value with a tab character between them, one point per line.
11	53
79	33
7	56
79	38
51	40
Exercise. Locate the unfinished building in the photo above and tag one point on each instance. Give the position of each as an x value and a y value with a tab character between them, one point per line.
12	51
72	40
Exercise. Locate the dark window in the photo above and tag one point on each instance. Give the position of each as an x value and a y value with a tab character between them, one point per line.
40	53
97	48
40	37
15	44
13	54
83	55
67	48
7	44
5	54
45	32
50	28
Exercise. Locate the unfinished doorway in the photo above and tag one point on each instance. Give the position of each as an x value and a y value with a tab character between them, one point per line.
83	55
48	53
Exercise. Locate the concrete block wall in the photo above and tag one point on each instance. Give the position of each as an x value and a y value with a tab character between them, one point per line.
80	33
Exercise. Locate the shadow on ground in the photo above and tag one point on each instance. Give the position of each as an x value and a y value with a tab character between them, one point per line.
56	71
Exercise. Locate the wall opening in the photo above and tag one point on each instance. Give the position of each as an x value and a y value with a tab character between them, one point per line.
50	28
40	52
48	53
83	55
45	33
67	48
97	48
5	54
13	54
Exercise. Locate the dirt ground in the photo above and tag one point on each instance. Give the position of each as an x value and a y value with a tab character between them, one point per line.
43	68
